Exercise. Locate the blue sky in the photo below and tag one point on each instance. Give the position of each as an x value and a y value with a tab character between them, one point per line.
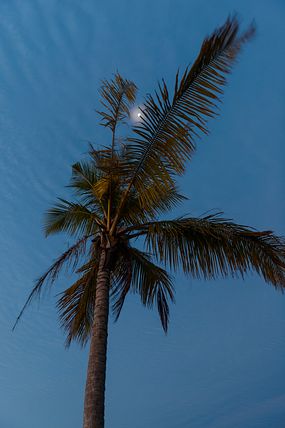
222	363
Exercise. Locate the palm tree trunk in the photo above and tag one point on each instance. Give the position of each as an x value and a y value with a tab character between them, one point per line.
94	402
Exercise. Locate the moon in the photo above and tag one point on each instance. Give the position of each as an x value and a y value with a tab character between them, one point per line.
136	114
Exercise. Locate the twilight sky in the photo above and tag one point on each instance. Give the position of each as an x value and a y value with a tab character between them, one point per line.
222	363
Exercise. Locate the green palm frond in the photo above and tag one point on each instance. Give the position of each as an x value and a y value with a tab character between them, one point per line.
114	166
158	198
101	188
84	177
140	208
211	246
70	259
96	180
165	137
135	271
86	181
77	303
117	97
70	217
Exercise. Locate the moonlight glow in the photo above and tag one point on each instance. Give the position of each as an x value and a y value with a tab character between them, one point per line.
136	114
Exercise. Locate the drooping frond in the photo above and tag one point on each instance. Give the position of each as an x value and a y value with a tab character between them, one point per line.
77	303
121	280
135	271
69	258
70	217
165	137
212	246
117	97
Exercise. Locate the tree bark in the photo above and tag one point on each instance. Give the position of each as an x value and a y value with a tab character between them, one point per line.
94	403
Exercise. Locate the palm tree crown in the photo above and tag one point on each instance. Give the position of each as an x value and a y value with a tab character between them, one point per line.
123	189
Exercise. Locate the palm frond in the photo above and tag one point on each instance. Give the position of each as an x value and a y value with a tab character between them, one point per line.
70	258
117	95
165	138
84	176
211	246
140	208
135	271
70	217
97	180
77	303
121	279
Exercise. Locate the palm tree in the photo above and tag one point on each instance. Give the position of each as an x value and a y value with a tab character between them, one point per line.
121	193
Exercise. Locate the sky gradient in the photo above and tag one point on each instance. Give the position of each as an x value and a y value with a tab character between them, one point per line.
222	363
